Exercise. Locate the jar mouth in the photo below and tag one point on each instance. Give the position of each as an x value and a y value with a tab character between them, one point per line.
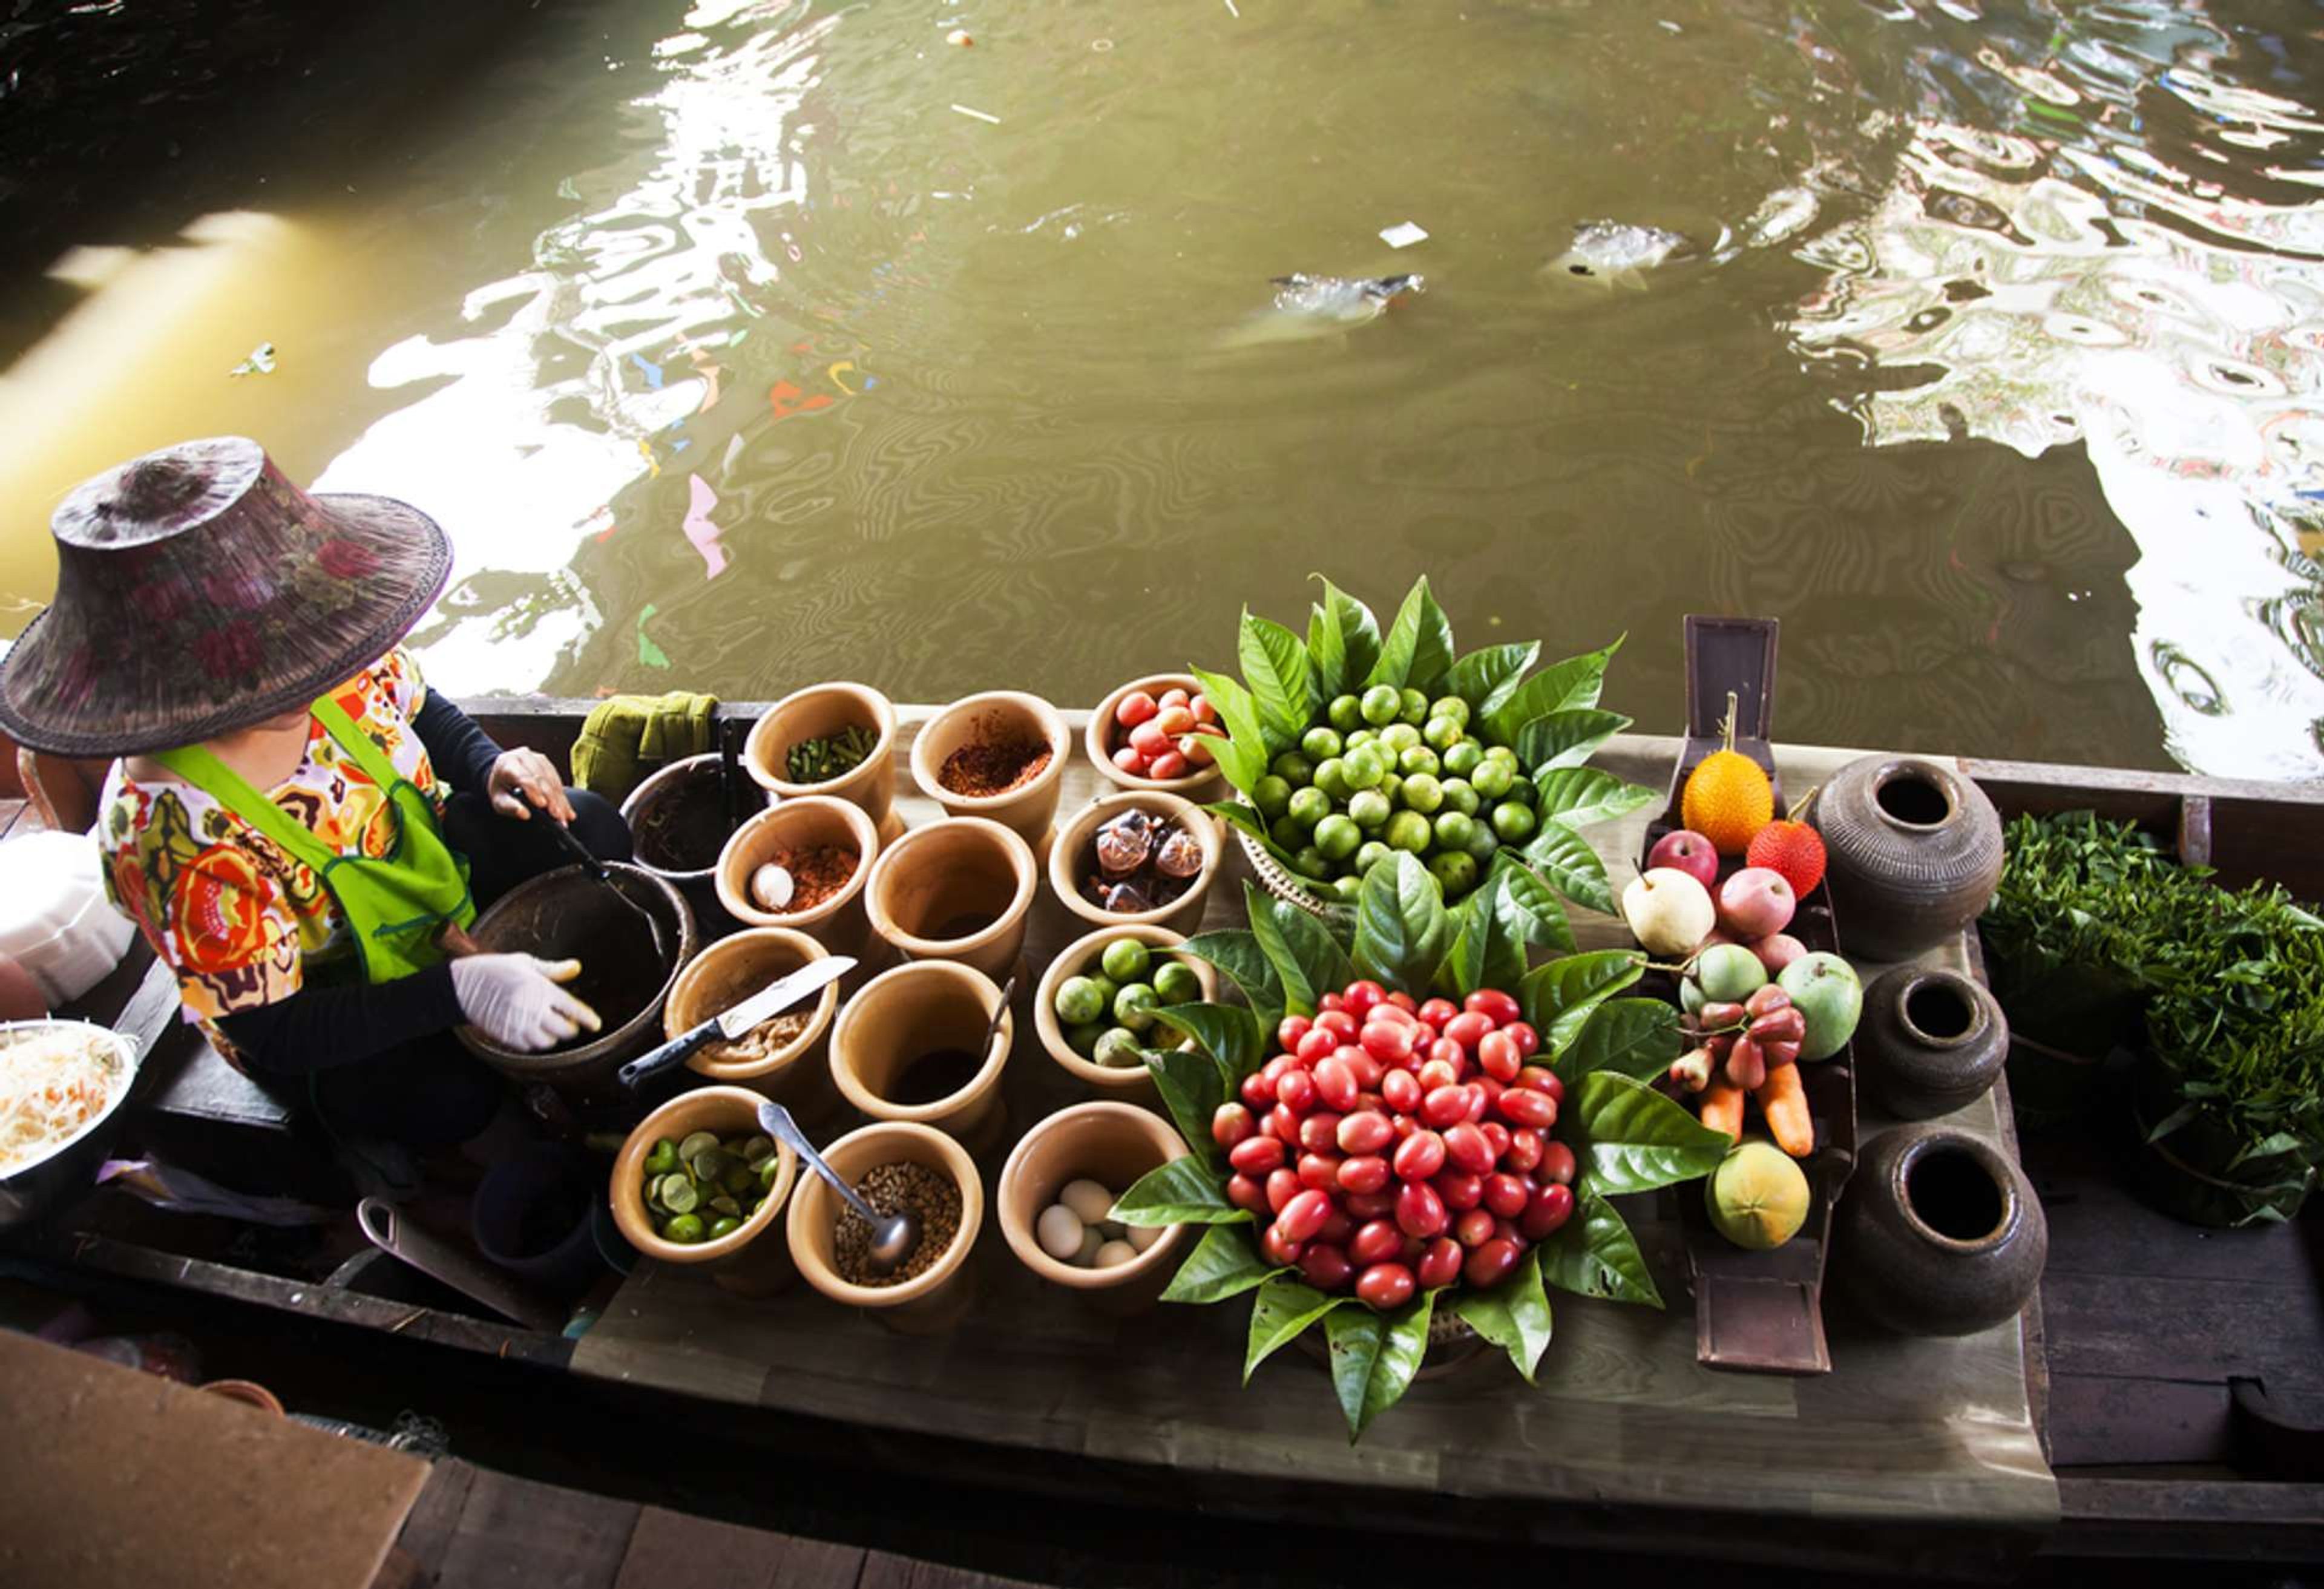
1951	1196
1914	797
1937	1012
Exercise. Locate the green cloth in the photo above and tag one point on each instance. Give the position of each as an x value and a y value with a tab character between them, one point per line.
394	903
626	734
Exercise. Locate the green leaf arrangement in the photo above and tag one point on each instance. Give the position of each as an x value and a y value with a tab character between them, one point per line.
1626	1137
1550	719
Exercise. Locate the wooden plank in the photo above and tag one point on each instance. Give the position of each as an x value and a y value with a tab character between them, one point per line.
2132	1326
2104	1421
435	1518
671	1546
514	1531
882	1571
2216	1521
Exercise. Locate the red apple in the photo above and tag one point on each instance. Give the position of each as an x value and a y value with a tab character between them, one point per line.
1686	850
1777	950
1755	903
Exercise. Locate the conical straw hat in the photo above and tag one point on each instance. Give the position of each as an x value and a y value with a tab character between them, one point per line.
200	592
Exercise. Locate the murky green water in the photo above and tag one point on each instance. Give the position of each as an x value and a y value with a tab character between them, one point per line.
753	343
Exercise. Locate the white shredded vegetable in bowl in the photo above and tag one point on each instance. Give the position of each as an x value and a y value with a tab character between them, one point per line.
57	1080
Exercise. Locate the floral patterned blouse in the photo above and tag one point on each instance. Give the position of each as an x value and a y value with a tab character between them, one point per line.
240	922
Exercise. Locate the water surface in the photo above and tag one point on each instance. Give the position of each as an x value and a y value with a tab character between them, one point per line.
744	345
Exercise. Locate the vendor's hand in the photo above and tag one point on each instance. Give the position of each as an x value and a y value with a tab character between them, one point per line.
515	999
525	781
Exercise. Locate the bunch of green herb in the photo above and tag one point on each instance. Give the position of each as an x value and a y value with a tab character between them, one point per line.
2082	908
831	756
2235	1017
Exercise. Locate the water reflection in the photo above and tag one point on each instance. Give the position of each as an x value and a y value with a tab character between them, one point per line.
2102	261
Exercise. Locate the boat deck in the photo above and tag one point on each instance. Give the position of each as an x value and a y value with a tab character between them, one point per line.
2171	1376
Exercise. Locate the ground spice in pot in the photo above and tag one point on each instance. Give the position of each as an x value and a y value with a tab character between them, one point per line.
892	1188
768	1037
981	768
818	872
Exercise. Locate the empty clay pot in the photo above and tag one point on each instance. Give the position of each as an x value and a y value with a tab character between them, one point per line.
961	889
1940	1233
797	1075
1070	860
838	922
1912	851
1204	783
813	713
1078	958
930	1303
1931	1041
880	1049
998	716
750	1262
1113	1144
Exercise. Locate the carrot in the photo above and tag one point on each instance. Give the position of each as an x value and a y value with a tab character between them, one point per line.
1722	1110
1785	1101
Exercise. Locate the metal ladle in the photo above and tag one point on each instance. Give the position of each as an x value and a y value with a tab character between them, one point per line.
604	873
894	1237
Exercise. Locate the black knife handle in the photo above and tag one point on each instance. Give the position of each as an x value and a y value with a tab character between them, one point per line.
673	1052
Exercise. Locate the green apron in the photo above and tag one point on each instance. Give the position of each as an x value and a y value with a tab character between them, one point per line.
393	904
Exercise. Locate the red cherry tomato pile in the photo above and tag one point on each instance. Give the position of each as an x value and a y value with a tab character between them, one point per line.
1163	739
1393	1146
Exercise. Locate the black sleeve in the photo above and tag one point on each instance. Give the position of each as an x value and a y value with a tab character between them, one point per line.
463	753
317	1028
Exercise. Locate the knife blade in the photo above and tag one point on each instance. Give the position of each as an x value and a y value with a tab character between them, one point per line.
769	1001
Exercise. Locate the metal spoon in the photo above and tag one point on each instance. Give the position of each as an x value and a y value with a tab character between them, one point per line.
604	873
894	1237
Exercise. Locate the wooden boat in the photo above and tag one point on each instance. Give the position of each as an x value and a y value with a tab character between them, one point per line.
2153	1348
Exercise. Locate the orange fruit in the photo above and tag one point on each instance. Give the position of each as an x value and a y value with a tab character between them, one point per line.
1728	798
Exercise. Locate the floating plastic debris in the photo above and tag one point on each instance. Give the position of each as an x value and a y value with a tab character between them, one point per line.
979	114
1402	235
649	654
260	363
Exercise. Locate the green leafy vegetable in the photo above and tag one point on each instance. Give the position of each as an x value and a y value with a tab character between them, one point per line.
1418	650
1374	1356
1559	997
1562	686
1402	928
1243	754
1594	1254
1229	1033
1343	639
1632	1139
1565	857
1580	795
1566	738
1485	678
1634	1037
1514	1315
1223	1264
1192	1089
1284	1311
1236	955
1311	959
1274	666
1184	1191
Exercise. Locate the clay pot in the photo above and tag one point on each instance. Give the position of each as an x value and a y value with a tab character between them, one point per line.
1913	850
828	709
960	890
797	1075
1077	958
838	924
1929	1041
685	798
569	914
1204	783
913	1011
997	715
1112	1144
1940	1233
930	1303
750	1262
532	1217
1070	861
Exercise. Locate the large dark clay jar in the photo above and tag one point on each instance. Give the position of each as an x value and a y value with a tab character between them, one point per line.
1912	852
1940	1233
1929	1041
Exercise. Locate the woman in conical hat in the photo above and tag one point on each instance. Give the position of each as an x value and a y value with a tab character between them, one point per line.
294	817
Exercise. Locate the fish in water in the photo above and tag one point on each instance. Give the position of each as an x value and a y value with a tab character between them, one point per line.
1350	300
1309	307
1615	253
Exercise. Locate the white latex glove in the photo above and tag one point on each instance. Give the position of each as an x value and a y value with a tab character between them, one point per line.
515	999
